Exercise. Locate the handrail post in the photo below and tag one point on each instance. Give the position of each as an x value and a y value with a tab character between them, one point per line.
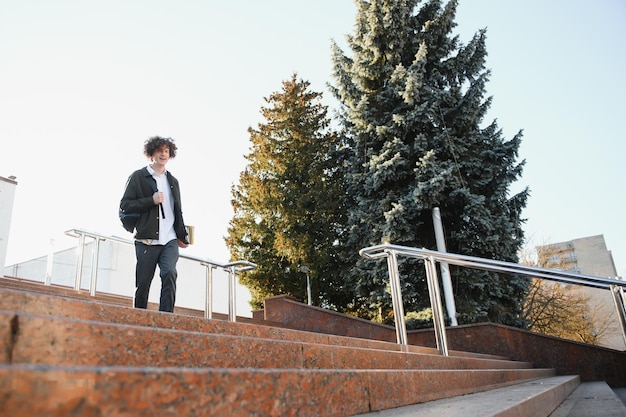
95	256
233	269
79	262
435	303
232	314
396	297
208	301
620	300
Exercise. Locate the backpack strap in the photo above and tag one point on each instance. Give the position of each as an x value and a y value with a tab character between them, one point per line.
154	189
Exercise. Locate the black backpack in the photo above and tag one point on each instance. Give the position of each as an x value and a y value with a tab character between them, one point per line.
129	220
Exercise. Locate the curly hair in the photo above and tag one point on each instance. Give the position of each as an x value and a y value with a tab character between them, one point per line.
157	142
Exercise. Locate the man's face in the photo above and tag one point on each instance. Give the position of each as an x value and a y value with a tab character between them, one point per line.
161	155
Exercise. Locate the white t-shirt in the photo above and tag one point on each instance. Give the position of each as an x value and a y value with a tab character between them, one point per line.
166	225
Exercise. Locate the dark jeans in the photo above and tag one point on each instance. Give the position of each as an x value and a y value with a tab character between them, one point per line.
148	257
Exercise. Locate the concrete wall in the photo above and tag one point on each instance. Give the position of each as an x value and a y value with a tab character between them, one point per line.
593	257
7	195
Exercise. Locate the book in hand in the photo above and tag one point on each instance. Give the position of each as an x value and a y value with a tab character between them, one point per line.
189	230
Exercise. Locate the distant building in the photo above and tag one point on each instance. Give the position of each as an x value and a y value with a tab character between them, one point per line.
589	256
7	194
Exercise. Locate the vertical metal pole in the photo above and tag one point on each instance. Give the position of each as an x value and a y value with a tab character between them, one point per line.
308	288
208	301
79	262
435	303
619	300
95	256
445	271
232	314
396	297
305	269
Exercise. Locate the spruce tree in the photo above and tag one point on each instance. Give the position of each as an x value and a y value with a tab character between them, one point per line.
286	205
412	102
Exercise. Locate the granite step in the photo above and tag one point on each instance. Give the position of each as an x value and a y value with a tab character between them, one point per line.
538	398
66	356
59	306
53	390
592	399
52	340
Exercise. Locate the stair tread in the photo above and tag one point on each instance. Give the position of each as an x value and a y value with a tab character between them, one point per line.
515	400
591	399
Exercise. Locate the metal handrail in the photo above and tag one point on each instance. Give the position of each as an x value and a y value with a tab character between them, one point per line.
430	258
233	269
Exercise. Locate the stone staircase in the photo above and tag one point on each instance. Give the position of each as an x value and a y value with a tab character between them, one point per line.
65	353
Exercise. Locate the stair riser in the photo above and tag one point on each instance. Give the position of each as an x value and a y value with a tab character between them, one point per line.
42	391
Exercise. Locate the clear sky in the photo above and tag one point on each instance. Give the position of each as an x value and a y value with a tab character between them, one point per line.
84	83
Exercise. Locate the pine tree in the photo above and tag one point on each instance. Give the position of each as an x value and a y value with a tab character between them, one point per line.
412	104
286	205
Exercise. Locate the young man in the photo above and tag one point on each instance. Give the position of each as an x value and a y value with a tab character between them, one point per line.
153	192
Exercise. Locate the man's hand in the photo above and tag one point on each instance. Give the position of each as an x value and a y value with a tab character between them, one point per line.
157	198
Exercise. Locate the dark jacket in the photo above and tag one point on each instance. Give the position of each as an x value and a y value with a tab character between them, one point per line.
137	198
